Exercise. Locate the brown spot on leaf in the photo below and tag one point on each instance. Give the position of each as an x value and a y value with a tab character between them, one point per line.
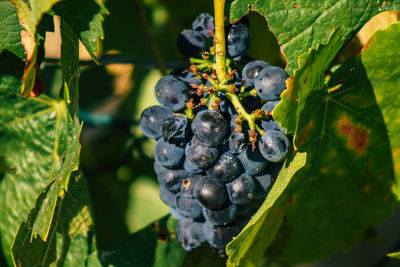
396	159
303	137
396	167
296	5
357	137
324	170
396	153
367	189
277	211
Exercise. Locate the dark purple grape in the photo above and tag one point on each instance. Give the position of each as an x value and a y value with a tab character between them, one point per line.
263	184
188	207
158	167
171	179
242	189
204	24
274	146
175	214
252	69
190	168
196	229
246	209
270	105
175	129
237	143
167	154
209	127
237	40
226	168
252	161
190	233
172	93
222	216
274	169
197	109
226	107
251	103
270	124
200	156
167	196
210	193
270	83
219	236
188	183
186	76
191	43
152	119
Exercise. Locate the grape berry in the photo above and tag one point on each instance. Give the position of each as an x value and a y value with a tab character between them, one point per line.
218	149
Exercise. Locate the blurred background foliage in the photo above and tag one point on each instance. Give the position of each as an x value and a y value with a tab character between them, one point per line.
138	46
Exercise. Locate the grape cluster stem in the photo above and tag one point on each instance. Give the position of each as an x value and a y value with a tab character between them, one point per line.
221	73
219	7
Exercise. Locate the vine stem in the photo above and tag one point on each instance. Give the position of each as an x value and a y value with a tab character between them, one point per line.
150	38
220	68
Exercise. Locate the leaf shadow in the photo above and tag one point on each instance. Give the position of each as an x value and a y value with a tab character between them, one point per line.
137	249
339	158
79	14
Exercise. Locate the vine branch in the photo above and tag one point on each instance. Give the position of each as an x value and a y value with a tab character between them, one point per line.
150	38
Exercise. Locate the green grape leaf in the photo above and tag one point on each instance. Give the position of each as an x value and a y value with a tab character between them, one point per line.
34	245
70	66
30	16
157	246
349	161
300	25
395	255
309	76
39	143
10	30
85	18
384	75
249	246
93	260
67	243
70	163
75	226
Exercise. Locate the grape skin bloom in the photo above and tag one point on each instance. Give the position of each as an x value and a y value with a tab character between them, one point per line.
209	127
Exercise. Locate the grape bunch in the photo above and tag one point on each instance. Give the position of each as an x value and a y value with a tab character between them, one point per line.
218	150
